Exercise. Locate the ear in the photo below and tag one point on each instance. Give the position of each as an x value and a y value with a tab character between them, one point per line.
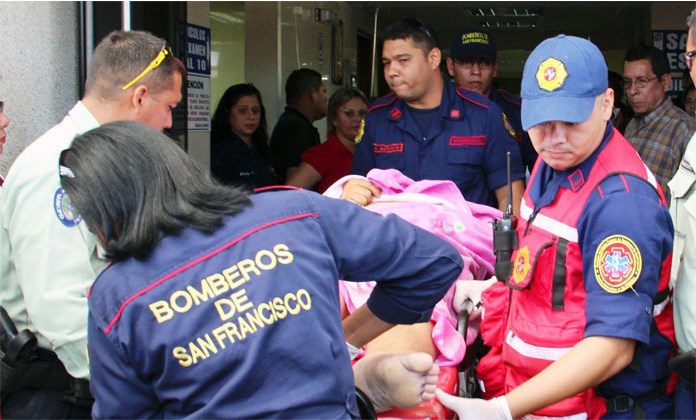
434	58
495	68
138	95
608	104
450	66
666	81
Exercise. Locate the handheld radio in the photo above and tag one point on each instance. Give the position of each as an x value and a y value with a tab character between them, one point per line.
504	234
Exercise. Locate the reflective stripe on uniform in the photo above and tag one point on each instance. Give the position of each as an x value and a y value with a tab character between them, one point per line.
536	352
581	416
548	224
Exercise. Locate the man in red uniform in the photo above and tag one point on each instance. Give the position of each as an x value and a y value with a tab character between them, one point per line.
587	328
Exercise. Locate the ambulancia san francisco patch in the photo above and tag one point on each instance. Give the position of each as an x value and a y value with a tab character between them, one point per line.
551	74
64	209
521	266
617	264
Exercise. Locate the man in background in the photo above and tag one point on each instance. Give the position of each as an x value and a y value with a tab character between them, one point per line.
305	96
473	62
659	129
430	129
683	280
48	259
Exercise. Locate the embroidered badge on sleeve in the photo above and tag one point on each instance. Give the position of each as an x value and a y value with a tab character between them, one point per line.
617	264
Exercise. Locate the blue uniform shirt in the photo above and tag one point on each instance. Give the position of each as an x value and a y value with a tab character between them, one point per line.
245	322
621	205
467	144
512	107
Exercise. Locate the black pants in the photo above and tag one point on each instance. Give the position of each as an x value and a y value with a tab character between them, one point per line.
41	392
41	404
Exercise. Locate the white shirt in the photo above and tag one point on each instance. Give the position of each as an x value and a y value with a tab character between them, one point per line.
683	278
48	259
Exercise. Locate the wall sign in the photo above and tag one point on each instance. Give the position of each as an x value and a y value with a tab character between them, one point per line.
198	83
673	43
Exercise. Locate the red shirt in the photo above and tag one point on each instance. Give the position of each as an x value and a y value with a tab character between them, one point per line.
331	159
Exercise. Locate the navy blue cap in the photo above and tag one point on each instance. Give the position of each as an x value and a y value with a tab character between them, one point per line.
473	42
561	80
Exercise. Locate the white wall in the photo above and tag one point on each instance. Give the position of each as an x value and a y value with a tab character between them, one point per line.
38	69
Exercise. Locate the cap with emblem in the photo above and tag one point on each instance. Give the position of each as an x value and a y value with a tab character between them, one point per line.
473	42
561	79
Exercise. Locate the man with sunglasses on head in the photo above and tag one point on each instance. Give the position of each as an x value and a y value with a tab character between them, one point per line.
429	129
473	63
659	130
48	259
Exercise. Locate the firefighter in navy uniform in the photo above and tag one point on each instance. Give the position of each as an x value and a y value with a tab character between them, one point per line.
473	63
429	129
589	327
234	311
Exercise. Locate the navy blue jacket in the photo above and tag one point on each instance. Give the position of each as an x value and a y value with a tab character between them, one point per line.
468	144
245	322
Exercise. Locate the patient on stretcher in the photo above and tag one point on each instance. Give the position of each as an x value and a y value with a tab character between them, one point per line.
438	207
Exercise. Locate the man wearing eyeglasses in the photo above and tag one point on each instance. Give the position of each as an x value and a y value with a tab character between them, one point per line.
48	259
683	279
659	129
429	129
473	63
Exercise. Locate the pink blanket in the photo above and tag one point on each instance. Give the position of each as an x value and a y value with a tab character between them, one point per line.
438	207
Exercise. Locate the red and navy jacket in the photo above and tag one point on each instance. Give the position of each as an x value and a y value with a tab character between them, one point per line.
467	144
245	322
595	247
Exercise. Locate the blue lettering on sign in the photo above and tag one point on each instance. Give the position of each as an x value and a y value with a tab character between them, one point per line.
197	49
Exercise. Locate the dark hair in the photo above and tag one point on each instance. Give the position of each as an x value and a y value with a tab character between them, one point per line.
616	83
121	56
132	185
422	34
300	82
221	129
339	98
658	59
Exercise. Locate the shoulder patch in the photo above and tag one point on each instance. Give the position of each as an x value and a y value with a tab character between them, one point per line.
361	132
508	127
64	209
617	263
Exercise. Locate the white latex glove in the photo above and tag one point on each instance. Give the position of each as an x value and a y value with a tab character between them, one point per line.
470	290
474	408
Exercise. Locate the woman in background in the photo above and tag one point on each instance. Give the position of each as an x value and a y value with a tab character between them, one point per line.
326	163
239	151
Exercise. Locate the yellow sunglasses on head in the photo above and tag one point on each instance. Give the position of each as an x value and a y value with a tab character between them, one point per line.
153	65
